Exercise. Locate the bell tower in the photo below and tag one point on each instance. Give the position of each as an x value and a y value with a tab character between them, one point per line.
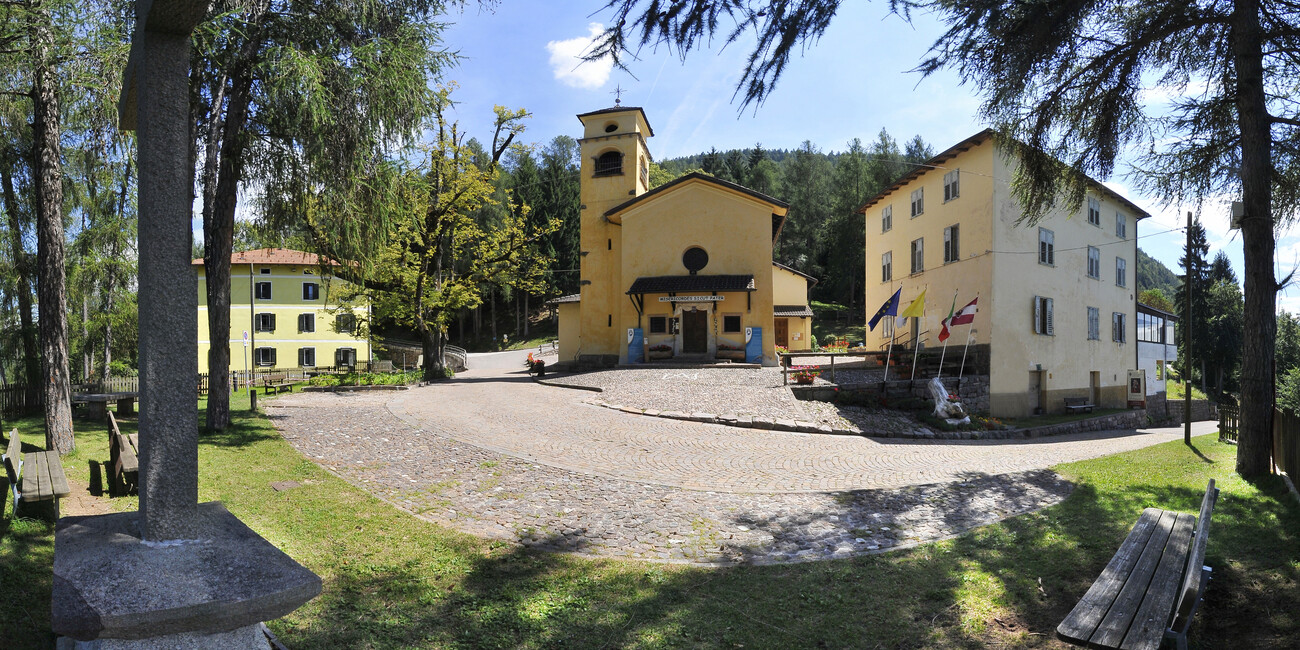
615	168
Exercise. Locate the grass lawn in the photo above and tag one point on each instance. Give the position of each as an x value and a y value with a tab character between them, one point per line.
394	581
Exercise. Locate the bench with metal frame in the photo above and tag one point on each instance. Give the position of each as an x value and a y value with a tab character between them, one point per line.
1152	586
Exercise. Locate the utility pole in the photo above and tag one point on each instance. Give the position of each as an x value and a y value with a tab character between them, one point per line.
1187	364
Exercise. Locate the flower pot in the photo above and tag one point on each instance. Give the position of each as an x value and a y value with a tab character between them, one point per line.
655	355
733	355
803	380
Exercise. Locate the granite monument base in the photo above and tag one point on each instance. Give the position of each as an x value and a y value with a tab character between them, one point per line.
206	592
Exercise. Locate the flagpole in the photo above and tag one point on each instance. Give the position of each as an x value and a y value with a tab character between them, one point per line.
945	341
893	331
916	345
963	353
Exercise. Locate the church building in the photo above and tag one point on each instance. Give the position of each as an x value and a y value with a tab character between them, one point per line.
681	271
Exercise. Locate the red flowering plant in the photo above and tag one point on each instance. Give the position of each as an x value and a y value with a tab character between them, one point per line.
804	374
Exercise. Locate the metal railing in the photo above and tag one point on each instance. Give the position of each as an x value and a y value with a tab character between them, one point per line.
455	357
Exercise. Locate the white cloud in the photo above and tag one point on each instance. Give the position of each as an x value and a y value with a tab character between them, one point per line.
567	64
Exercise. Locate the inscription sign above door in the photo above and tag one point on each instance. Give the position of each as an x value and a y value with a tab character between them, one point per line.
692	298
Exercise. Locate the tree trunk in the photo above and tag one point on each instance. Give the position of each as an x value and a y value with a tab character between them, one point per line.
87	362
1255	432
110	282
492	315
47	173
22	262
525	314
219	220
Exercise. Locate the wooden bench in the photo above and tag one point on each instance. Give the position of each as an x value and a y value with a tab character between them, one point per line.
1152	586
39	473
276	384
124	459
1077	405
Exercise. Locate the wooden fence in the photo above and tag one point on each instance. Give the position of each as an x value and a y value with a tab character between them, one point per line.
16	401
1229	420
1286	443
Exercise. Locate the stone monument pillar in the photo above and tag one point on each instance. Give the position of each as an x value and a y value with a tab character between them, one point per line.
177	574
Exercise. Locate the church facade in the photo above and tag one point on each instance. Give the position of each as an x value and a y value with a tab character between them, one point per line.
681	271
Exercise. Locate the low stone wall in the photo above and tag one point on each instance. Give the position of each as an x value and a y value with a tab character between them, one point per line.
1157	404
972	390
1136	419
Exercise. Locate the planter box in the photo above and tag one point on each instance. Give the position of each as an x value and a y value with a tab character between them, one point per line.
734	355
656	355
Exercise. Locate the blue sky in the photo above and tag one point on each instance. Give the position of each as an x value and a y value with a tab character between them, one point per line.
851	83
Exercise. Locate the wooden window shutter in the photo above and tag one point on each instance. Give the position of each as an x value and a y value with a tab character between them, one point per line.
1050	329
1038	315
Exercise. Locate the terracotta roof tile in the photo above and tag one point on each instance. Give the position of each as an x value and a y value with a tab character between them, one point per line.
274	256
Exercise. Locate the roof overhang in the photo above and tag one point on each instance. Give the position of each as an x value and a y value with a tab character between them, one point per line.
691	284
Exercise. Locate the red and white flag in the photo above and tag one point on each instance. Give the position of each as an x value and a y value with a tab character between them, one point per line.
966	315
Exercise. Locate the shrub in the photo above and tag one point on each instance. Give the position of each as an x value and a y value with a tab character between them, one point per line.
829	340
324	380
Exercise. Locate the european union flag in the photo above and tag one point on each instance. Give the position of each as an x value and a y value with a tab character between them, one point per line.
890	308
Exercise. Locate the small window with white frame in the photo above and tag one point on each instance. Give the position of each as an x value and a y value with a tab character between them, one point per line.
1094	324
1118	327
887	266
1094	211
264	271
918	255
262	290
1121	272
264	322
310	291
306	322
264	356
1046	247
950	185
918	201
307	357
887	218
1121	225
951	248
346	323
1094	262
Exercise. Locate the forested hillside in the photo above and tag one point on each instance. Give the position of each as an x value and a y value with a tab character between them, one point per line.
1153	274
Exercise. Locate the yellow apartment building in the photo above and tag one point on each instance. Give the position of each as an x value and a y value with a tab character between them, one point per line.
686	266
284	306
1057	300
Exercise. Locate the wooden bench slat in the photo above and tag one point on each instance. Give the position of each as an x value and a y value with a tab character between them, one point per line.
1152	617
1115	624
1189	594
31	479
13	454
126	458
44	487
1089	611
58	479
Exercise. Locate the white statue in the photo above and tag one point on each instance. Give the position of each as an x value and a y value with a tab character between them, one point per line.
953	412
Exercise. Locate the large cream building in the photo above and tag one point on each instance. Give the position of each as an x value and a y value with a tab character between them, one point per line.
1056	299
287	311
687	266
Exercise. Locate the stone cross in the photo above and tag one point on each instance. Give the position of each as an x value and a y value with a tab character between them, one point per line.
156	104
178	574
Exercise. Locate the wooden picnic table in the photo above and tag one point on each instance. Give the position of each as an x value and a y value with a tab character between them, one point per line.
97	403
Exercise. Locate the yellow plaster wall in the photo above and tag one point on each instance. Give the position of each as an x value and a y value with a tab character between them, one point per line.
601	241
568	314
999	262
733	228
1068	357
789	288
286	303
969	276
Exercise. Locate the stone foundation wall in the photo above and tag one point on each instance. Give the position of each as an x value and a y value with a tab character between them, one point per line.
1201	410
972	390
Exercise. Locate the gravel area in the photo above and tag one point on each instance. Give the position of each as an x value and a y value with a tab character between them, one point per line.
503	496
742	391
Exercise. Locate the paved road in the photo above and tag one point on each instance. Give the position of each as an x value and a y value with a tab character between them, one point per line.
505	413
494	454
507	360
